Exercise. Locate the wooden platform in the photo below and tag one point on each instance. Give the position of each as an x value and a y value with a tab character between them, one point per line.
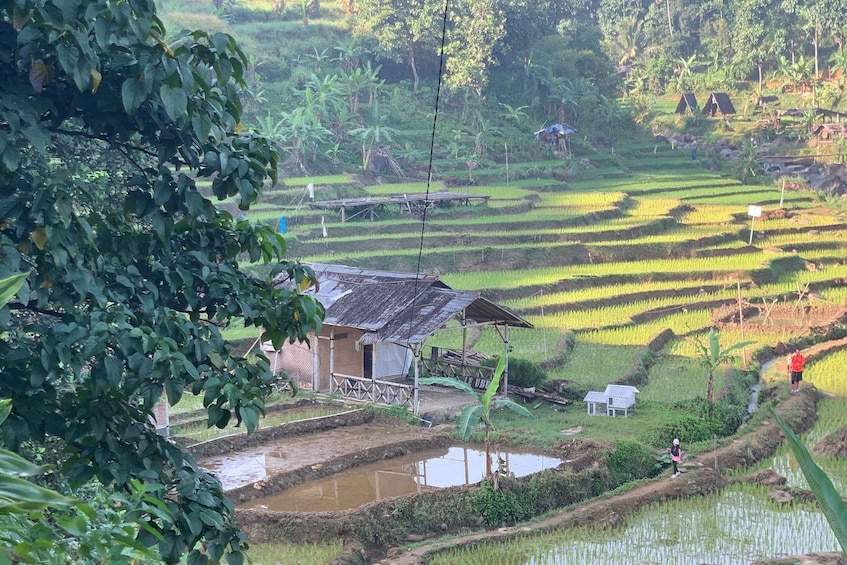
410	203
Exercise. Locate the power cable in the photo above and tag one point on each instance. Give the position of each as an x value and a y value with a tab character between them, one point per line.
429	172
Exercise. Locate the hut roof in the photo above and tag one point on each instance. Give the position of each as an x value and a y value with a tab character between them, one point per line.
718	103
399	307
687	102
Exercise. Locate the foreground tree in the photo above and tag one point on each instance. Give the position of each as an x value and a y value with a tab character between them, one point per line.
104	129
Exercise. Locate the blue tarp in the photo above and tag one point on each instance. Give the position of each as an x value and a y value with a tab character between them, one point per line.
552	134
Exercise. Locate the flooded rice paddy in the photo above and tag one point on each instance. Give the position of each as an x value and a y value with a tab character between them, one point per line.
418	472
244	467
734	527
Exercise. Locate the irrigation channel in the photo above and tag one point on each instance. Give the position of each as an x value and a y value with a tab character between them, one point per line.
418	472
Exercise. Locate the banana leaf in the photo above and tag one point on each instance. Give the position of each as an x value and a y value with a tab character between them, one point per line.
832	505
9	287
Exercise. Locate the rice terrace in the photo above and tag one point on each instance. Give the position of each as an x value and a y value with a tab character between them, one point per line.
401	282
621	268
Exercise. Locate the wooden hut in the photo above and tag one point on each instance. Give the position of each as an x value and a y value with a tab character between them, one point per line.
375	329
687	104
718	104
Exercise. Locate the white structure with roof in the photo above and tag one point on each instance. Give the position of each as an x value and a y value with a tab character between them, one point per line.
615	398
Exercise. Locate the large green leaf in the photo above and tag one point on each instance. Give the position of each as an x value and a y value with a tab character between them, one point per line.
14	464
21	491
832	505
175	101
5	409
495	382
468	420
446	381
513	406
9	287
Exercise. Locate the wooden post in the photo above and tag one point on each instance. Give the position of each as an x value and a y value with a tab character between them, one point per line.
506	146
741	321
782	193
506	369
416	351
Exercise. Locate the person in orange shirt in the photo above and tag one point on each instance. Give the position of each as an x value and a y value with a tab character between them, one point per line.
796	363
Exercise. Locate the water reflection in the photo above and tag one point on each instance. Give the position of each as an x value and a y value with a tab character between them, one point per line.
419	472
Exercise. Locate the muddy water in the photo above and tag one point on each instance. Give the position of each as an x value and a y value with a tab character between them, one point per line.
419	472
242	468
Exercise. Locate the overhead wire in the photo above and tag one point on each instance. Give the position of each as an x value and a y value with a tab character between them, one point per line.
429	172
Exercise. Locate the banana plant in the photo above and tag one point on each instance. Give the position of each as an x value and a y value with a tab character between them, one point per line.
832	505
473	415
712	356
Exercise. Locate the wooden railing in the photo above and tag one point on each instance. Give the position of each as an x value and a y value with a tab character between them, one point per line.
474	375
371	390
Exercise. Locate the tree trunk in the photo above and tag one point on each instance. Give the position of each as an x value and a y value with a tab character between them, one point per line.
710	388
670	25
414	67
817	69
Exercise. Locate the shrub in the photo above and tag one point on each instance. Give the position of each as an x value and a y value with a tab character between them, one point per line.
496	506
630	460
522	372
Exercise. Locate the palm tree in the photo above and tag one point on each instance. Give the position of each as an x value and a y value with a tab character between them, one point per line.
513	114
627	41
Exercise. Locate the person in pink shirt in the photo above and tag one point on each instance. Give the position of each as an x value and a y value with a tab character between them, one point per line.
676	456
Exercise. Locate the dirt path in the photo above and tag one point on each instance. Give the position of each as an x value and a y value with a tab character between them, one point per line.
774	371
700	477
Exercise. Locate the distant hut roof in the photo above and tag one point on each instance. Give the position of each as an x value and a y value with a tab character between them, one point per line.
718	103
399	307
687	103
765	100
830	130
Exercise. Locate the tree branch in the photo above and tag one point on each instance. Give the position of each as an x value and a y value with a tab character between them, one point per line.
29	307
105	138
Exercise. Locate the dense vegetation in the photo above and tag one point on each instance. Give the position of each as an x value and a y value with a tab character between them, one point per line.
118	131
335	82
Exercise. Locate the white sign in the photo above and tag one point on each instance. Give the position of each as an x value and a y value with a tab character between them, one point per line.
755	211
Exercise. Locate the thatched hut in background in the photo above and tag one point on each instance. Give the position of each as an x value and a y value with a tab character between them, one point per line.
718	103
687	104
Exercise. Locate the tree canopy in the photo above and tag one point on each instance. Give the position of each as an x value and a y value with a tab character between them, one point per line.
105	131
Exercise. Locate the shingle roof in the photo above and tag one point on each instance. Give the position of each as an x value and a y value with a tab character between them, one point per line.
399	307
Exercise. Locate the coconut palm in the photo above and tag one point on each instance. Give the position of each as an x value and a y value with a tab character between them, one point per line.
513	114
